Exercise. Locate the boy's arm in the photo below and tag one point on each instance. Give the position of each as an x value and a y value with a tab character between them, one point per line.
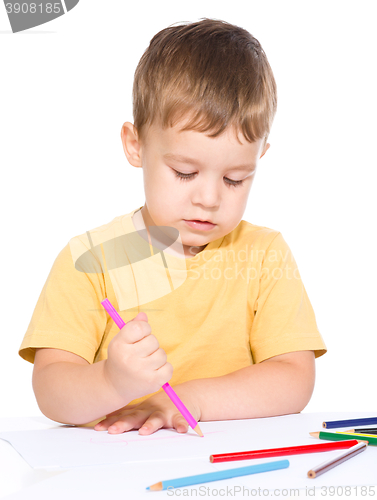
278	386
70	390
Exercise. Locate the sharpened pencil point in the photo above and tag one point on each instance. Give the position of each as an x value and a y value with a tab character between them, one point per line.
198	431
314	434
156	487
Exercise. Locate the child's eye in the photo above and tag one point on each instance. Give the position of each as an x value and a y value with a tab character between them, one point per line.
186	177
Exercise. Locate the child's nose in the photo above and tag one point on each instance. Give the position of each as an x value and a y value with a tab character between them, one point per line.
207	194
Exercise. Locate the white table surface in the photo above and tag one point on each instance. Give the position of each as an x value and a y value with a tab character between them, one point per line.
18	480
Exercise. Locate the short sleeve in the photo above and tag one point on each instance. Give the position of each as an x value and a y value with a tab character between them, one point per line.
68	314
284	319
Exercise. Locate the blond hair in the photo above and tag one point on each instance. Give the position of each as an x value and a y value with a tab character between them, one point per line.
214	73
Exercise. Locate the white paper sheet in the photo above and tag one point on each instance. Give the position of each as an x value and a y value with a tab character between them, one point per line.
68	446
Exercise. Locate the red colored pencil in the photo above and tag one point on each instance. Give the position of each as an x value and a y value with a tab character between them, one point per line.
279	452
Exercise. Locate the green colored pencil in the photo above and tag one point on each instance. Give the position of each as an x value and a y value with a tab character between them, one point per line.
338	436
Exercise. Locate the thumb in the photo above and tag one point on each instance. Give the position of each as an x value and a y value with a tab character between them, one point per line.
141	317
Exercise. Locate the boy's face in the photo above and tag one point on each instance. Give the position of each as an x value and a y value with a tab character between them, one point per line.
208	194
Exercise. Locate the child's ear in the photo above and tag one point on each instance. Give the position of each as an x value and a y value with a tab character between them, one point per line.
267	146
131	144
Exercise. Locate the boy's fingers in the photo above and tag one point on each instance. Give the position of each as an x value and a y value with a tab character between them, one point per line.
146	346
125	424
180	424
114	420
136	420
134	334
105	424
141	316
135	331
156	359
155	422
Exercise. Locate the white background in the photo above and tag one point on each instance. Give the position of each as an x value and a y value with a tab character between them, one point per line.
65	91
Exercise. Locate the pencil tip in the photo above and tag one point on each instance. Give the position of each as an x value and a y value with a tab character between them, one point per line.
198	431
156	487
147	488
314	434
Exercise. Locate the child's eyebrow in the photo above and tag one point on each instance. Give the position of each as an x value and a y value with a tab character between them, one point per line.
192	161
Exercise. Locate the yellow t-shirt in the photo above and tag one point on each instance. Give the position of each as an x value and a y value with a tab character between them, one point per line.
238	302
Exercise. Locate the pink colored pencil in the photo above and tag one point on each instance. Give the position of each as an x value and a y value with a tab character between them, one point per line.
182	408
167	387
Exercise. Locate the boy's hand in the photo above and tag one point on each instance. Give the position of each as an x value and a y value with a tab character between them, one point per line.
152	414
136	365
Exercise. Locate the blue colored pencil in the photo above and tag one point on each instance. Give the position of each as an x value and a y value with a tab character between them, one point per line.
217	476
347	423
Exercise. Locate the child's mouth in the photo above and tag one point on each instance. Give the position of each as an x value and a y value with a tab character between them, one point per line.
200	225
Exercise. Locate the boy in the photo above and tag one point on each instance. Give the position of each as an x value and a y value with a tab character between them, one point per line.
226	305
